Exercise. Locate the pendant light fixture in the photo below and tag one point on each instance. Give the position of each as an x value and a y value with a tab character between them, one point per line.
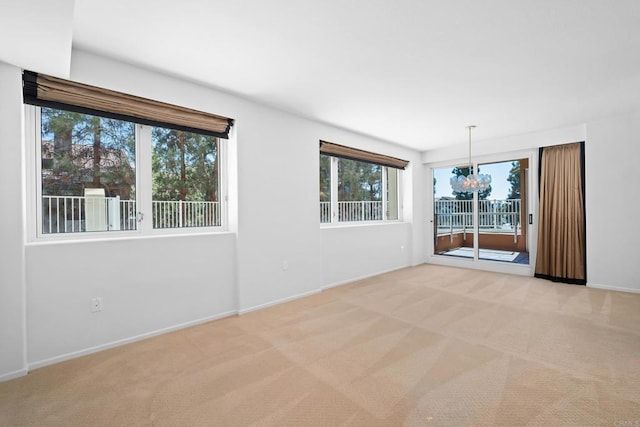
474	182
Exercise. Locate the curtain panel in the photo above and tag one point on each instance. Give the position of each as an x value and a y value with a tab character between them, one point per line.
561	253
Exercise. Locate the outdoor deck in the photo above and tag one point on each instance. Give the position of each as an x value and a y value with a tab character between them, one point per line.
500	232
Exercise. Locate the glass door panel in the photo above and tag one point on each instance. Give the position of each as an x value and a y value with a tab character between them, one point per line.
453	223
502	225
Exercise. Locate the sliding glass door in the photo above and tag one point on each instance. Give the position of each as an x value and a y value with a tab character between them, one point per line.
453	216
489	225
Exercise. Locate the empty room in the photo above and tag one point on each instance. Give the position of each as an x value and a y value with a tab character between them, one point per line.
336	213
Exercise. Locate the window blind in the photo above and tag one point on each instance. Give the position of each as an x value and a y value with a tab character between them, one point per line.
47	91
350	153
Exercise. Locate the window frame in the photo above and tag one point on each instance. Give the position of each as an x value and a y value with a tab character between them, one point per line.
334	202
143	191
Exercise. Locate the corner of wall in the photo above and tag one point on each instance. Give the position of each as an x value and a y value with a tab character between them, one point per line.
12	262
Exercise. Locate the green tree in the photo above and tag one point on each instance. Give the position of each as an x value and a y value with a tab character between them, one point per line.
325	178
81	151
358	181
514	180
482	195
185	166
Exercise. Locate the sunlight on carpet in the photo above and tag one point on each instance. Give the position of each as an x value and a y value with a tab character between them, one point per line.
489	254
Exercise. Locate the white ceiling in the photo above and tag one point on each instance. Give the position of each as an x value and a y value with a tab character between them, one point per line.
37	36
414	72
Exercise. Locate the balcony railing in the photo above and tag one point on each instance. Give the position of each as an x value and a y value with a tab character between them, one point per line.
452	216
456	214
176	214
353	211
73	214
325	212
495	214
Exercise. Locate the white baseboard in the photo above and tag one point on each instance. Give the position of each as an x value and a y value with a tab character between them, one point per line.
355	279
279	301
90	350
612	288
15	374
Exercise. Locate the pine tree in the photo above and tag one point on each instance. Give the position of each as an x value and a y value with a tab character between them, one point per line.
514	180
83	151
325	178
358	181
185	166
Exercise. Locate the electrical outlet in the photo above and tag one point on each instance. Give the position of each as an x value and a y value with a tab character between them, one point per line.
96	304
285	265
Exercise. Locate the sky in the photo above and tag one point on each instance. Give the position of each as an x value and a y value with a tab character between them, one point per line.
499	184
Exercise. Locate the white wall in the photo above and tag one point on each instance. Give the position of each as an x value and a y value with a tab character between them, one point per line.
279	213
147	285
150	285
612	153
361	251
12	285
278	216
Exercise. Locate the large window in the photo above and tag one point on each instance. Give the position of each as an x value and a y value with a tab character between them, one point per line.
99	174
357	191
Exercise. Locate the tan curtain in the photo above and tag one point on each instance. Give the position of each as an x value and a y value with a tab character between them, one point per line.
561	231
47	91
350	153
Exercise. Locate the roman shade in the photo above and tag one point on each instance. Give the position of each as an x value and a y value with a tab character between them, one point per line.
337	150
47	91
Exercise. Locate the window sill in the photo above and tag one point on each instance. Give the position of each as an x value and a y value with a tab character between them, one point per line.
360	224
122	236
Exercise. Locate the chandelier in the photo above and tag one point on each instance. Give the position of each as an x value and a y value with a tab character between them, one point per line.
474	182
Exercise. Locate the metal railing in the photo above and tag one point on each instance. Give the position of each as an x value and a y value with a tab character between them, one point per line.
493	216
62	214
74	214
325	212
351	211
360	211
496	214
178	214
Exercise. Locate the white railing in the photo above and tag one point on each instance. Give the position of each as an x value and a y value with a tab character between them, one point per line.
128	214
325	212
457	214
493	216
178	214
353	211
360	211
72	214
55	222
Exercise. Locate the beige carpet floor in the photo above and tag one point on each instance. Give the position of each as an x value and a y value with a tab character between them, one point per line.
428	345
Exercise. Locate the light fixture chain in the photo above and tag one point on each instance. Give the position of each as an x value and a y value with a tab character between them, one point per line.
470	164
